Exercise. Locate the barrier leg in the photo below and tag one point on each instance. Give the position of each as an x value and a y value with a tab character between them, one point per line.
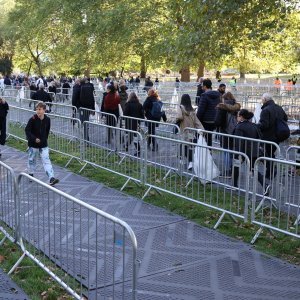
2	241
16	264
259	231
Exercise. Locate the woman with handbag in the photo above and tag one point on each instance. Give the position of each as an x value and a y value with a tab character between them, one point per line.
186	117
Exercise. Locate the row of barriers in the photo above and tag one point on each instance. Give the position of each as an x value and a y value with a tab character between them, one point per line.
91	254
183	165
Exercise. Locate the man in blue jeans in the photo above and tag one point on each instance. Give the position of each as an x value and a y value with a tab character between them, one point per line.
37	132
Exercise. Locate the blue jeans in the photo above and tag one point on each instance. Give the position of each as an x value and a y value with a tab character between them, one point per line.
44	154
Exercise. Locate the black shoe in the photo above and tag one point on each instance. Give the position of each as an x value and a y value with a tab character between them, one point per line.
267	190
137	154
53	181
30	178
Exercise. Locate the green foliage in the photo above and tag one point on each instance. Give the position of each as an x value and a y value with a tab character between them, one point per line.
70	36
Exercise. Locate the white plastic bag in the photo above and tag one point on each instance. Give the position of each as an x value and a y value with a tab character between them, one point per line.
204	166
120	110
257	112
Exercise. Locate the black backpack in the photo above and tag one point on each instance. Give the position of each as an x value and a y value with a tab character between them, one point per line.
156	110
282	131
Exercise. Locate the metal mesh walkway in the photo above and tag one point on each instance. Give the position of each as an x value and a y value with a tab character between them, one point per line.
178	258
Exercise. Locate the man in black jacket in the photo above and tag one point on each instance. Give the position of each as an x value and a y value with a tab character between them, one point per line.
41	95
37	132
207	108
86	104
267	124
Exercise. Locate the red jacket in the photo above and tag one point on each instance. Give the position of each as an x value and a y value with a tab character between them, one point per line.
111	101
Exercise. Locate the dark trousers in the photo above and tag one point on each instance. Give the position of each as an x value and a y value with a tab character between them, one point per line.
2	130
236	173
208	136
151	131
85	116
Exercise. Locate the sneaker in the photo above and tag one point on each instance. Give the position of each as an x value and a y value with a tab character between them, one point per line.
267	190
53	181
190	166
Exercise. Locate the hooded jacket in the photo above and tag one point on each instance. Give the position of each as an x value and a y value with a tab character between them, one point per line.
207	106
37	128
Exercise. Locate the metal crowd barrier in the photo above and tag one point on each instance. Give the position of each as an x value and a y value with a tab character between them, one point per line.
253	146
90	253
293	153
160	128
173	168
8	204
85	114
114	149
279	210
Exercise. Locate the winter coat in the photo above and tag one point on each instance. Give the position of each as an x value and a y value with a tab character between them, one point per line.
123	98
37	128
135	110
41	95
148	107
269	113
76	95
187	119
207	106
87	99
249	130
111	102
3	109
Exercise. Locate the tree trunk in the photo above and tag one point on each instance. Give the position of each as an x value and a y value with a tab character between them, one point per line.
200	72
122	71
185	74
38	64
29	68
143	67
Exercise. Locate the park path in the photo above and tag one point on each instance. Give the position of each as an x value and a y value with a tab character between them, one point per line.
179	259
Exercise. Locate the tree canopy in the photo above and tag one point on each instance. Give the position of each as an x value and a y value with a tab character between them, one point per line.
76	37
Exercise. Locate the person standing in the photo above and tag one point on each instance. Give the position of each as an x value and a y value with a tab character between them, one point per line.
200	90
226	121
148	84
186	117
3	113
111	106
222	89
245	128
65	90
86	104
153	112
206	112
270	113
134	109
37	132
42	95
